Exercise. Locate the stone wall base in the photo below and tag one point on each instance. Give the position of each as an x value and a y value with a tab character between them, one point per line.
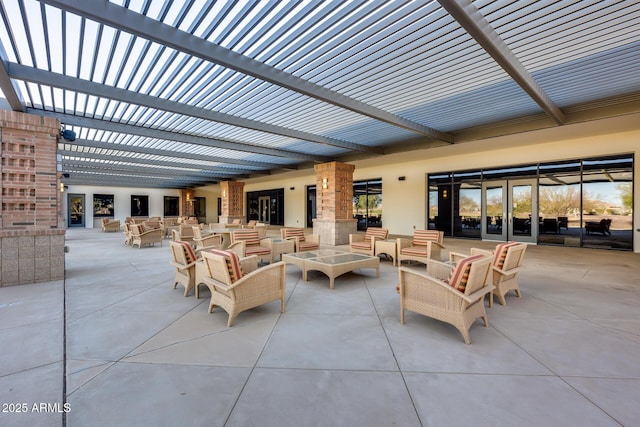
334	232
31	256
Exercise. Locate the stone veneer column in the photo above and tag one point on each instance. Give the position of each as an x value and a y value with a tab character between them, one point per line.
31	236
232	201
334	221
186	203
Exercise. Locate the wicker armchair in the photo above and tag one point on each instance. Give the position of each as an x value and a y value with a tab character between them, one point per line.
452	295
209	241
366	243
425	245
507	263
184	260
235	290
248	242
184	233
142	237
301	242
110	225
128	234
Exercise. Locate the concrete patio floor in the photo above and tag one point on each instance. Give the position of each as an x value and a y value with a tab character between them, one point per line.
138	353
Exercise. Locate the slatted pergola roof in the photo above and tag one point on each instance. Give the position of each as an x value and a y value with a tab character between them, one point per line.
177	94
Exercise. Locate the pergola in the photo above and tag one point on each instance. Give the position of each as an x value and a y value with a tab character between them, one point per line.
179	94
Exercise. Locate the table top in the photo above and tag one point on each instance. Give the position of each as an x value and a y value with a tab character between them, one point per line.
342	258
315	254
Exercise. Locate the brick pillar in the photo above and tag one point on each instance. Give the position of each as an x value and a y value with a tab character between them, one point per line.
31	237
232	201
186	203
334	201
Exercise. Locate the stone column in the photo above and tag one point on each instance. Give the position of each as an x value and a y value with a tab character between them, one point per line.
31	234
186	203
334	201
232	201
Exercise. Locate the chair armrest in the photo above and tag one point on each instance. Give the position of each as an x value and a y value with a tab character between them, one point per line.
507	272
477	294
183	267
238	247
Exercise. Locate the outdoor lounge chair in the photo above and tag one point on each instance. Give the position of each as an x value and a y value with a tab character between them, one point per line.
301	242
209	241
366	243
246	242
506	264
236	290
425	245
128	234
598	227
454	295
184	260
144	237
112	225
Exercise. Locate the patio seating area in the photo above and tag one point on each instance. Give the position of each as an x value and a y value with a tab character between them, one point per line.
128	349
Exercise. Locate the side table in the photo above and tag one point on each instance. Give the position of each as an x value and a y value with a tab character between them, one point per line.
388	247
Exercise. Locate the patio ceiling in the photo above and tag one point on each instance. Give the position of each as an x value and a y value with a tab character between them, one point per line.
177	94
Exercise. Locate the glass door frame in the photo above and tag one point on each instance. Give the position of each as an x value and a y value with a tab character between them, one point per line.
506	224
76	207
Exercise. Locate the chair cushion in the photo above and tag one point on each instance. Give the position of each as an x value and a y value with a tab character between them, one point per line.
501	253
305	246
294	232
257	250
421	237
251	237
362	245
233	263
460	274
414	250
188	251
380	233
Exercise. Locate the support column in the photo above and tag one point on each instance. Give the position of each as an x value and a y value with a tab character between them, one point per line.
186	203
334	201
232	201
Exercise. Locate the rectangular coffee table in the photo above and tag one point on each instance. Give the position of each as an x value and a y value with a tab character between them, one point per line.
332	263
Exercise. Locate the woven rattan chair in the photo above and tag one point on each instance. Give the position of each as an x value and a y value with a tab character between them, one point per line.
425	245
301	242
454	295
184	260
236	290
507	263
110	225
142	237
209	241
128	234
248	242
184	233
366	243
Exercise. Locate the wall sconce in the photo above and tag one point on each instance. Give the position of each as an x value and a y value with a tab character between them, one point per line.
325	183
62	187
224	194
444	194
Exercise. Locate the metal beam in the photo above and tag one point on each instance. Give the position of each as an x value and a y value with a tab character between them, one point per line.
34	75
190	180
131	22
159	163
101	145
470	18
108	126
108	180
11	92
